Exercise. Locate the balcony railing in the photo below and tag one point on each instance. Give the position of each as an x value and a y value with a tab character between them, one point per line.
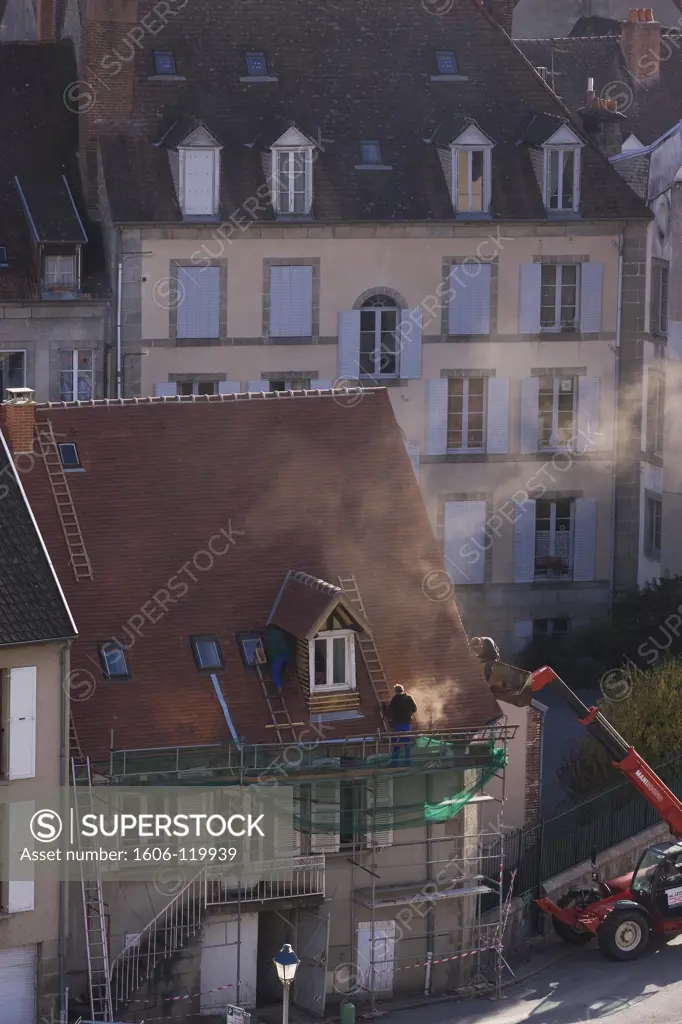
279	879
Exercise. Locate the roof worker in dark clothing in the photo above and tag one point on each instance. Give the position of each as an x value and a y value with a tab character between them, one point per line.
400	711
487	652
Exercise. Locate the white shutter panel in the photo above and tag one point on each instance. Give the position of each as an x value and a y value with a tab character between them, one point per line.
376	956
459	311
229	387
258	385
325	817
322	385
529	299
524	543
301	302
497	437
523	634
644	422
280	290
465	541
412	449
199	170
530	398
22	723
349	344
479	289
584	539
588	413
287	832
411	343
198	312
379	812
18	976
590	298
436	417
20	894
168	390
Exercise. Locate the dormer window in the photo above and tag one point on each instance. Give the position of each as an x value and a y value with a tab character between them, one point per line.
60	273
471	166
199	174
292	158
562	171
332	661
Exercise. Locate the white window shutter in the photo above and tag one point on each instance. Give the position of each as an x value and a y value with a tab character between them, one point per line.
524	543
199	178
411	343
469	310
497	435
287	832
20	894
291	302
322	385
198	312
459	310
280	288
588	413
168	390
530	430
529	299
379	812
229	387
590	298
436	416
258	385
325	817
22	723
349	344
584	539
412	449
523	634
465	541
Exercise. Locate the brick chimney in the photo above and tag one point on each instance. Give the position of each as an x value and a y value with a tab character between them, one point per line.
640	42
19	416
46	20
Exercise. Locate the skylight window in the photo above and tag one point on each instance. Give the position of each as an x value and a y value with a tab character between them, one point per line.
446	62
371	152
68	453
114	662
207	654
256	64
252	649
164	62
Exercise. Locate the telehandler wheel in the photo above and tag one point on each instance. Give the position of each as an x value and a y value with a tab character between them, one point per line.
624	934
565	931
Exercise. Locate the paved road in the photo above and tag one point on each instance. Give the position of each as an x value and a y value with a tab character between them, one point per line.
584	987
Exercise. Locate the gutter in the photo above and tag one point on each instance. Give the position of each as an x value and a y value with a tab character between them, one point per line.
616	396
63	781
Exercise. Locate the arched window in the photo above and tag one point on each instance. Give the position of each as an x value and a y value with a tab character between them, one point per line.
379	337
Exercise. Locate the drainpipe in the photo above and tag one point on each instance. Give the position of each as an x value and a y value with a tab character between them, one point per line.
616	397
64	661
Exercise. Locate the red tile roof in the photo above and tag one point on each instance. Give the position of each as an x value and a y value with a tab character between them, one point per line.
191	528
305	603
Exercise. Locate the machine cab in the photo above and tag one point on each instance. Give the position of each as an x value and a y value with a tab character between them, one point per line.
657	881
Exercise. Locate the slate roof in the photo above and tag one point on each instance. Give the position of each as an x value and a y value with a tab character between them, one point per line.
40	141
362	71
189	470
650	109
32	608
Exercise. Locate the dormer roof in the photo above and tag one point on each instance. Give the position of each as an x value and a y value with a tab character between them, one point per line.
188	132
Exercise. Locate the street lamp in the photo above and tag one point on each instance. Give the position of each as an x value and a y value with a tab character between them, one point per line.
286	963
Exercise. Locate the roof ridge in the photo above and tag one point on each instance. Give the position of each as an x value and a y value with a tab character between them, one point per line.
315	582
203	399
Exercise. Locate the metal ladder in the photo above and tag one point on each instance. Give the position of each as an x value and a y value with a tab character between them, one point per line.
279	712
94	908
74	743
368	649
47	446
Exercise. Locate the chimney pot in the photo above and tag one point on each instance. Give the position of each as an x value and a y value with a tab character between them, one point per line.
648	14
19	415
633	15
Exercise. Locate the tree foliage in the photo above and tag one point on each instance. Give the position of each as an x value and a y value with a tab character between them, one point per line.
649	718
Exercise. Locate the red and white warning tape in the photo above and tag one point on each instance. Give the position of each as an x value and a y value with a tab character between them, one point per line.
178	999
446	959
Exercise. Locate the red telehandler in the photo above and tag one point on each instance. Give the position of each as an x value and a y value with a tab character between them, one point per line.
625	911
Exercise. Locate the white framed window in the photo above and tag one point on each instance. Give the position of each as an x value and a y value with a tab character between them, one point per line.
332	661
556	411
197	387
659	299
653	522
554	539
60	272
559	297
379	323
199	181
655	411
293	180
562	178
466	414
76	375
471	179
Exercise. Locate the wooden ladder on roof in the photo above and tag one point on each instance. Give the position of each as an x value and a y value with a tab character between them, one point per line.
74	744
368	648
47	446
279	712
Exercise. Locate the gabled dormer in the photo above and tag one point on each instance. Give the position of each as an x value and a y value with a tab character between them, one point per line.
471	172
291	173
561	177
58	235
194	155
